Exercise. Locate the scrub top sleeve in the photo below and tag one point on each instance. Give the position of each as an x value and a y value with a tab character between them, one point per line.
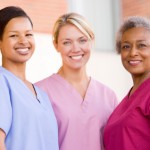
5	106
115	100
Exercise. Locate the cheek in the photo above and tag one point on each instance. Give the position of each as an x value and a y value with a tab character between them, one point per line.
123	58
87	48
63	50
146	54
124	55
33	46
87	55
6	45
32	41
89	52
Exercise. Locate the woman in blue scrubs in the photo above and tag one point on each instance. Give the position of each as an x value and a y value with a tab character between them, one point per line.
27	120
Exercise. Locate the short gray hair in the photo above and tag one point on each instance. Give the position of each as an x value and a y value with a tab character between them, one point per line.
129	23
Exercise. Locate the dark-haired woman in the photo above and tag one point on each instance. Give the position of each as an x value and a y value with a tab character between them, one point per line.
27	120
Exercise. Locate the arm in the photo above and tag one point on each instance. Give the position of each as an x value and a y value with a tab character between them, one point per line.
5	110
2	140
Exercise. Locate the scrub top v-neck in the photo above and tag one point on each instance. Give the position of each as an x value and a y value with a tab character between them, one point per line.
80	122
28	123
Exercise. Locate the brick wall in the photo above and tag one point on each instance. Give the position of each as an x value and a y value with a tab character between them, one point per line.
135	7
42	12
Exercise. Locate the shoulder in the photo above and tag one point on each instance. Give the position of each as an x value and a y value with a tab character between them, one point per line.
7	75
101	86
45	81
104	92
8	79
5	102
4	76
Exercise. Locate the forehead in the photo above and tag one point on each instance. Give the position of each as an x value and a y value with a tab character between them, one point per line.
19	23
69	30
138	33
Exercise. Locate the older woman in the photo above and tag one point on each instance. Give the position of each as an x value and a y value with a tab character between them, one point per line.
128	128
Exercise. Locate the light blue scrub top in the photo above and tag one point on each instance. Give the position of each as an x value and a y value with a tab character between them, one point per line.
29	124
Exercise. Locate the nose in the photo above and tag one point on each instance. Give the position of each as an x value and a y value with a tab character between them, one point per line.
23	39
76	47
134	51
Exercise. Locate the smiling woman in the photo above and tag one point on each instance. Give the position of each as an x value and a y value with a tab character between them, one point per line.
27	120
81	104
17	43
129	125
135	53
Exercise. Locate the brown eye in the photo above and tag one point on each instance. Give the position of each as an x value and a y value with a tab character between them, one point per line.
13	35
125	47
29	34
142	45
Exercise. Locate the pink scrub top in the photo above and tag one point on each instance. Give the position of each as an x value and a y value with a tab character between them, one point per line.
80	122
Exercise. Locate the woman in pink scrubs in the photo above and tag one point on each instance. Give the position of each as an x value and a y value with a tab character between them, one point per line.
129	125
82	105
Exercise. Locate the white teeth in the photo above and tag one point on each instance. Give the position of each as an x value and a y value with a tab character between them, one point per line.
76	57
23	50
134	62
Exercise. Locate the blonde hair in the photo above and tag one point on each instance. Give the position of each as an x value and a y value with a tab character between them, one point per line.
74	19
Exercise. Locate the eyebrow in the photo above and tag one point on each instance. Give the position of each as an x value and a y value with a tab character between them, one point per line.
136	41
67	39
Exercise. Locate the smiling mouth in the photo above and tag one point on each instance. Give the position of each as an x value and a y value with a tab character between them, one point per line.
22	51
76	57
134	62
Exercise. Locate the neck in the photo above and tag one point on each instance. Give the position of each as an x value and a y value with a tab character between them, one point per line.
138	80
77	78
73	76
18	70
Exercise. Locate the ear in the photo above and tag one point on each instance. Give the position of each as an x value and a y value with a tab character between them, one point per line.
55	45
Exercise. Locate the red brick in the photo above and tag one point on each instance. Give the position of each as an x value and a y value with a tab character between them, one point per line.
42	12
135	7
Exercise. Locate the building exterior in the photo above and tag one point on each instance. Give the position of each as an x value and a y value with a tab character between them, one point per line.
135	7
42	12
105	18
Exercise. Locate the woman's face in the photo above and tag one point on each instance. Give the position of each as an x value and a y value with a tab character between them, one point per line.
17	44
73	46
135	51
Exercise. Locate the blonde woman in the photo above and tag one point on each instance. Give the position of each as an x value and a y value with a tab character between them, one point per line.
82	105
